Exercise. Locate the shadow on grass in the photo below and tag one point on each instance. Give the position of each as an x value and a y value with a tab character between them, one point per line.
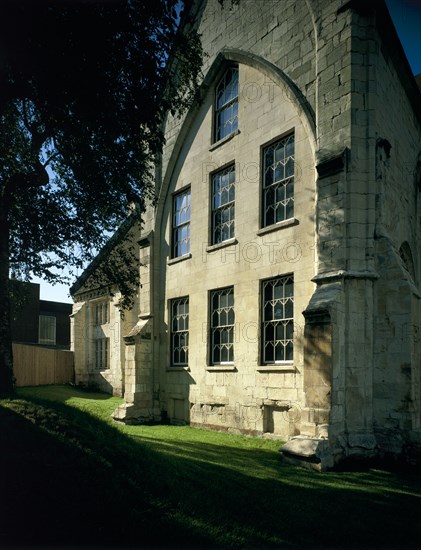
61	393
71	478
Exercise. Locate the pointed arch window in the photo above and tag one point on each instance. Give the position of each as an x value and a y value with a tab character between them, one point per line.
226	104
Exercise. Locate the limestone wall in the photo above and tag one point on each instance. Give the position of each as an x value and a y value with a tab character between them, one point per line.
319	69
396	396
307	46
85	332
248	397
280	32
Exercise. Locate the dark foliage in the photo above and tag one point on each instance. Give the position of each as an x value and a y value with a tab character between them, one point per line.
84	89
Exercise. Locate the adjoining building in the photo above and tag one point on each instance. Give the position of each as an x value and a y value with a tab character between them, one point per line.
35	321
280	267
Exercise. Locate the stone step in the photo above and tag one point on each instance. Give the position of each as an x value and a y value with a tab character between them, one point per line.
308	452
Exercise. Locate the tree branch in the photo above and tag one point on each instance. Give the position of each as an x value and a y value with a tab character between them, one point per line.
50	158
25	117
37	138
37	141
37	178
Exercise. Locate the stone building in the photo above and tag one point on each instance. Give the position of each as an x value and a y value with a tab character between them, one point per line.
280	267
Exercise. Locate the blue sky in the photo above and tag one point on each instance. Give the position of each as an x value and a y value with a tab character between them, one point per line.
406	15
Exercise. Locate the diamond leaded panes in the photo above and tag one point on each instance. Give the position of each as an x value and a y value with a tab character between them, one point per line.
222	326
180	332
226	104
278	320
278	181
223	205
181	224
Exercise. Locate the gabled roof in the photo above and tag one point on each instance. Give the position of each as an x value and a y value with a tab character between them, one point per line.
116	239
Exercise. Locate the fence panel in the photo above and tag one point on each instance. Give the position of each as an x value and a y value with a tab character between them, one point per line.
36	365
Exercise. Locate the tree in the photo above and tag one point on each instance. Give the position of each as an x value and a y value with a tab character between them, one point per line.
84	90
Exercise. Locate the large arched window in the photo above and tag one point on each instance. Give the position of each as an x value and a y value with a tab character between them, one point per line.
226	104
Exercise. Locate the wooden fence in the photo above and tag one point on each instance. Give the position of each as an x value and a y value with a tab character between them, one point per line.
36	365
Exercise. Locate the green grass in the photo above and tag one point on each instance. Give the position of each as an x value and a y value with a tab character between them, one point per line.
70	476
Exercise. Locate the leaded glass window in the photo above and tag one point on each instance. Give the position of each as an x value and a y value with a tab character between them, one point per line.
101	343
223	205
222	326
226	106
180	332
278	320
101	358
278	181
101	313
181	224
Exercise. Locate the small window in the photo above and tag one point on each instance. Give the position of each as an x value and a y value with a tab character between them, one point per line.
278	181
223	205
47	330
226	104
101	343
101	313
277	320
102	352
180	332
222	326
181	224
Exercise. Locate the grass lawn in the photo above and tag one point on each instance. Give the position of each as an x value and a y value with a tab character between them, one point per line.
70	476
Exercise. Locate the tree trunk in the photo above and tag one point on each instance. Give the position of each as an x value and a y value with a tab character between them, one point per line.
7	380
